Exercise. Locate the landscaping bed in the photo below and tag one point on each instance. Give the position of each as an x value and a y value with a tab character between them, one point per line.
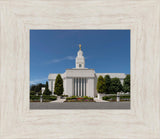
45	98
34	98
64	96
79	99
113	98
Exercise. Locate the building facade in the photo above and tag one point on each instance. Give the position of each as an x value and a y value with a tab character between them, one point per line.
80	81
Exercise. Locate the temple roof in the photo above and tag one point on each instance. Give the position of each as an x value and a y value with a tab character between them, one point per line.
112	75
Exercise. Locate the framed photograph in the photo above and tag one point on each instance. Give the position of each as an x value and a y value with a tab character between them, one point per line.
32	51
97	76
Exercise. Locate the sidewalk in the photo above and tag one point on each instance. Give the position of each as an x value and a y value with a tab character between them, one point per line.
99	100
58	101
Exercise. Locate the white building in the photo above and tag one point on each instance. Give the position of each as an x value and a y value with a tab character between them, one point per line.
80	81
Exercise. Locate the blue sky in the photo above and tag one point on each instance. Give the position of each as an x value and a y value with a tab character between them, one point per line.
54	51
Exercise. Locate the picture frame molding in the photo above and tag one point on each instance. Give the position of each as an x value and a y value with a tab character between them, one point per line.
18	17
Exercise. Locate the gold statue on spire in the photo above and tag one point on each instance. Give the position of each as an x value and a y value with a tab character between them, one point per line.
79	46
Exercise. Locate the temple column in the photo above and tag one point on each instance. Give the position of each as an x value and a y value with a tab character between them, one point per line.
74	86
78	86
81	86
84	86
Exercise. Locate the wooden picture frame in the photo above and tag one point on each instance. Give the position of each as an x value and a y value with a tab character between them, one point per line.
18	17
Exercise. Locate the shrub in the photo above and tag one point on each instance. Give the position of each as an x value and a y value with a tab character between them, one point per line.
37	87
39	93
114	97
48	98
101	87
64	95
34	97
109	97
52	98
47	91
125	97
58	88
107	84
116	85
86	97
73	97
105	97
90	98
32	93
126	84
79	98
45	97
68	98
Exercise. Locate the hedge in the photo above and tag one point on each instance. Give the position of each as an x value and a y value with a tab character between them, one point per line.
48	98
32	93
114	97
125	97
79	97
34	97
109	97
64	95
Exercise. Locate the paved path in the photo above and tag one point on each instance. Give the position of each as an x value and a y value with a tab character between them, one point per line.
58	101
80	105
99	100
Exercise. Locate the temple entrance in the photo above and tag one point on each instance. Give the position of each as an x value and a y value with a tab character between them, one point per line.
79	86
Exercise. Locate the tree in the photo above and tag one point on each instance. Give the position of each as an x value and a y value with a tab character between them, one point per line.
116	85
37	87
32	88
32	93
58	87
126	84
101	87
107	84
47	91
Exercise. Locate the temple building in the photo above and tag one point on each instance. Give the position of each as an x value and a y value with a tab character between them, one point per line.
80	81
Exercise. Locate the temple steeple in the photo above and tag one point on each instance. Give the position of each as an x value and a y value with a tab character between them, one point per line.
80	61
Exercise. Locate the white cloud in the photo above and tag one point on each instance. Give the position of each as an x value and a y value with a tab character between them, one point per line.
61	59
38	81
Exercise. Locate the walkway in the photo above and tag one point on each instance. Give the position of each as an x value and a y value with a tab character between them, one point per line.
58	101
99	100
80	105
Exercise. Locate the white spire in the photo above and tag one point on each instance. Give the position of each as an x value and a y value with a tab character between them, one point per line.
80	61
